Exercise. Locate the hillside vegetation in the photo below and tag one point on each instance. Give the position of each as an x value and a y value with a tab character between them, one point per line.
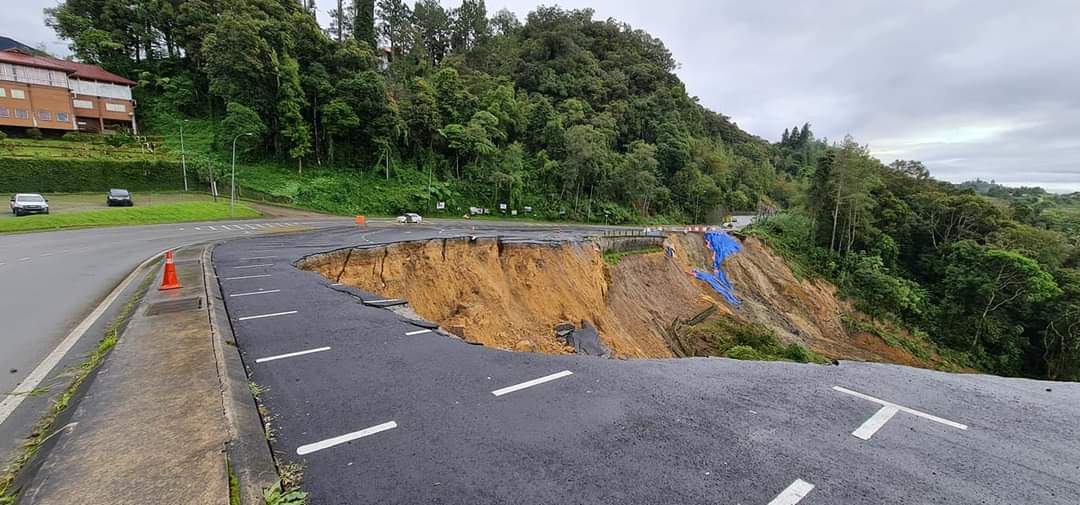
582	119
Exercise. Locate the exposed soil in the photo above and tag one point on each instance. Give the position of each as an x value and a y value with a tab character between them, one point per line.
511	294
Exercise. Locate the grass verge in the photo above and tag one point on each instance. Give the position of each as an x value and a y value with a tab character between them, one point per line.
126	216
43	428
613	257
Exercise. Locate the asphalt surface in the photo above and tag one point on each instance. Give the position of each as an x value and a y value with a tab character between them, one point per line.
431	419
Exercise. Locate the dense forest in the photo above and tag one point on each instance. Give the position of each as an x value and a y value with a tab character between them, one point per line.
585	119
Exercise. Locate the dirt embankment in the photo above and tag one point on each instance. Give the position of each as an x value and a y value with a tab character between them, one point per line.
511	295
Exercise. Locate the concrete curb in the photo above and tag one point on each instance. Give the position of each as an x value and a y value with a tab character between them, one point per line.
247	451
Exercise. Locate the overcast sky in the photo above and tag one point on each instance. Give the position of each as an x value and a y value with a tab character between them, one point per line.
973	88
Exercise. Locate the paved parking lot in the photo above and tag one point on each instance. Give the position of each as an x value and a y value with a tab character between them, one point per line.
380	410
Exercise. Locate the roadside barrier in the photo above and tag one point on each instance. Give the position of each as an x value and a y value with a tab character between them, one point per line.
169	280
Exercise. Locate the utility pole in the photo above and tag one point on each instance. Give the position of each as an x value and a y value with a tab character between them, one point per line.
232	183
183	157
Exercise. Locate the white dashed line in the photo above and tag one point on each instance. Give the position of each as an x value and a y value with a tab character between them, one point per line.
794	493
258	258
417	332
212	228
348	437
875	422
900	408
336	284
246	277
260	292
534	382
256	266
198	228
291	354
387	300
46	254
24	259
261	316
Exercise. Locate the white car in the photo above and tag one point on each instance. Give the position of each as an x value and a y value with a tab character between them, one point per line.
410	218
28	203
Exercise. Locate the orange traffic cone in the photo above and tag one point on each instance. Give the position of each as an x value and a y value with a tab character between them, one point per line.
169	280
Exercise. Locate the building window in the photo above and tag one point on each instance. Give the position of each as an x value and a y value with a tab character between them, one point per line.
22	114
44	115
5	112
3	92
115	107
83	104
63	117
18	94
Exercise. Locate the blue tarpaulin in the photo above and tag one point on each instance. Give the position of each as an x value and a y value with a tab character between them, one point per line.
722	246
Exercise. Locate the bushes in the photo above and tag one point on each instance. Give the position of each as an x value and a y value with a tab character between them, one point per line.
69	176
726	337
34	134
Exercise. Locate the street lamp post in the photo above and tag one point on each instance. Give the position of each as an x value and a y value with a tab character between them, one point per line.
183	157
232	182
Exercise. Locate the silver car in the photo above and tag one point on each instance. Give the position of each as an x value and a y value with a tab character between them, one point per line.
410	218
29	203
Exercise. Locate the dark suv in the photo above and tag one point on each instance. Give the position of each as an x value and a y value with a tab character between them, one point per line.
120	197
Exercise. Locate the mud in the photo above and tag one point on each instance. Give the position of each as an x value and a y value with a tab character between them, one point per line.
510	295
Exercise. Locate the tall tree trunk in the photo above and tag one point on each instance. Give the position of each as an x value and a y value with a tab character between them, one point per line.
835	218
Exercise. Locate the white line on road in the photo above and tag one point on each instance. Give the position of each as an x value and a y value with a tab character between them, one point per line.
417	332
212	228
902	408
260	316
384	300
291	354
534	382
259	292
258	258
256	266
348	437
46	254
875	422
23	259
246	277
794	493
31	382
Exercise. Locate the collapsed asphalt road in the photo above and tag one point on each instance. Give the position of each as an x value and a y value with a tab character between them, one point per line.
379	410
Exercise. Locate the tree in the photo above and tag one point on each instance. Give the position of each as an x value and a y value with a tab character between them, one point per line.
364	22
395	25
239	120
342	19
469	27
432	25
914	169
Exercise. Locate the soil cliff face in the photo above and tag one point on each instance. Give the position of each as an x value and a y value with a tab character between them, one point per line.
511	294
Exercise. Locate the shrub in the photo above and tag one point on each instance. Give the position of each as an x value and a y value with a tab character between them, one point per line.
34	134
744	352
65	176
3	137
79	137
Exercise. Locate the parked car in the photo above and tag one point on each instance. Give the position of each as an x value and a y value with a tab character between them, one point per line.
410	218
121	197
29	203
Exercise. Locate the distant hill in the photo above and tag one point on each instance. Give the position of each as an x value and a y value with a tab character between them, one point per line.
8	43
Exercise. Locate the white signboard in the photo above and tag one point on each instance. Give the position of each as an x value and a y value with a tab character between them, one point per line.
440	205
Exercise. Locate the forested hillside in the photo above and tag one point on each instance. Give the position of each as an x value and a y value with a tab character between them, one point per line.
577	117
396	106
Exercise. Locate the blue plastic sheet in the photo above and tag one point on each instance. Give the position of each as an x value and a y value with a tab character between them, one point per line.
722	246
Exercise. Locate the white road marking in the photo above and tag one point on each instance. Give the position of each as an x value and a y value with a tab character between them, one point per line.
258	258
246	277
260	316
902	408
417	332
291	354
198	228
794	493
22	391
248	226
23	259
260	292
46	254
384	300
334	284
534	382
212	228
348	437
256	266
875	422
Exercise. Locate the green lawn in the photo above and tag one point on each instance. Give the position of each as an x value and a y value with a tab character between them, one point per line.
64	149
122	216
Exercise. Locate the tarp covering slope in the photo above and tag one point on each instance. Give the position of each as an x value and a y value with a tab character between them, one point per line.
722	245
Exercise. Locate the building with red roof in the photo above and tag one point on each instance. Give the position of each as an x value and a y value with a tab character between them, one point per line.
47	93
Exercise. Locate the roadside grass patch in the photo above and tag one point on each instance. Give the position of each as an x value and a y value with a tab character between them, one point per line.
126	216
44	427
613	257
726	337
